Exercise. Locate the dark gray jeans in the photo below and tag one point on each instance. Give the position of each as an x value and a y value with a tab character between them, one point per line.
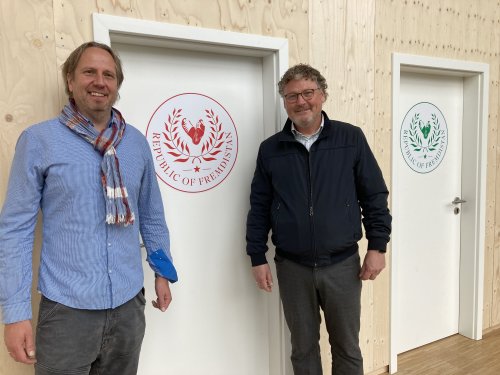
335	289
82	342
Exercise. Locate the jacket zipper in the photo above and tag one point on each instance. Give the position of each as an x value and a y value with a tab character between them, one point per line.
311	209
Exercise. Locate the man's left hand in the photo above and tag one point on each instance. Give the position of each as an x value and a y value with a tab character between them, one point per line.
373	264
163	295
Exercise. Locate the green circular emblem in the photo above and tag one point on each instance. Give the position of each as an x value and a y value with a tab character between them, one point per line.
423	137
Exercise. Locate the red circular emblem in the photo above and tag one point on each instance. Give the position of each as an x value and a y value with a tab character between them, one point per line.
194	142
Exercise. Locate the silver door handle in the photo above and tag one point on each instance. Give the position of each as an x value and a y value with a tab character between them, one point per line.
458	200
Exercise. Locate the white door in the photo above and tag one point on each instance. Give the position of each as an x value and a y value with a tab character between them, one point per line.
429	169
218	320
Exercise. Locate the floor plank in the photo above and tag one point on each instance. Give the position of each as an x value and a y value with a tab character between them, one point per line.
455	355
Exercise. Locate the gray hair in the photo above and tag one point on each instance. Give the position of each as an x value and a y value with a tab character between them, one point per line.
302	71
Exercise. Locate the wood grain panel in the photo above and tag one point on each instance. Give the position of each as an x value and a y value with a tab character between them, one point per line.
287	19
492	251
493	196
342	49
28	94
28	71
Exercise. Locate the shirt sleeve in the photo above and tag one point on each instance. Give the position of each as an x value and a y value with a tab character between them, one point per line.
17	225
153	227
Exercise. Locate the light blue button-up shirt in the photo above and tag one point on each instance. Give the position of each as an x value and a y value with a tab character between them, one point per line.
85	263
307	141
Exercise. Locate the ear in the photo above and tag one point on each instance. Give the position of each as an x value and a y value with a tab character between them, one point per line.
69	79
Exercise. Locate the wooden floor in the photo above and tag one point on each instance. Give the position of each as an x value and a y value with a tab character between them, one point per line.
455	355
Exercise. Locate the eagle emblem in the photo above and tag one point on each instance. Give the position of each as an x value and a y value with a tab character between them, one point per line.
195	132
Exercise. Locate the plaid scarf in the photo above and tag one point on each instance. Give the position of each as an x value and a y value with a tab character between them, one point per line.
118	210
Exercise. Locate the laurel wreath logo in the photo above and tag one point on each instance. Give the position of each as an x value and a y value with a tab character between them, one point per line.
180	149
418	127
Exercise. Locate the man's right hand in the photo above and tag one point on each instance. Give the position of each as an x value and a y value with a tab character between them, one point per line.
263	277
18	339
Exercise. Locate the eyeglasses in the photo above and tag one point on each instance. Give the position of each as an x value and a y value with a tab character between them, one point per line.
306	95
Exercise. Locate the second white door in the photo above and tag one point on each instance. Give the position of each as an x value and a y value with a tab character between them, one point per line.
429	226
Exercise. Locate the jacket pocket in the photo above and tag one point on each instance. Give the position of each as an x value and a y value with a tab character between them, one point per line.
353	216
290	231
275	222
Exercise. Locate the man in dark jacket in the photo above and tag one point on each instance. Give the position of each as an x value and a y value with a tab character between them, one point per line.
314	183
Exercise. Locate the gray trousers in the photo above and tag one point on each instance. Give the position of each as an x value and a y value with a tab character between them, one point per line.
82	342
335	289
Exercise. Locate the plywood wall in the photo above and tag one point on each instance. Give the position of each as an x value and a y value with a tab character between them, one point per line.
350	41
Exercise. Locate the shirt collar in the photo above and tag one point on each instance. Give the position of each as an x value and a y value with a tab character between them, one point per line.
296	132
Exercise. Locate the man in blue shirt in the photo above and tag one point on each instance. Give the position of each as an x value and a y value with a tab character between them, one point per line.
92	176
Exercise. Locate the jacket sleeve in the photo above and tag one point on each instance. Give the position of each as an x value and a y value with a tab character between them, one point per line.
258	219
17	226
372	196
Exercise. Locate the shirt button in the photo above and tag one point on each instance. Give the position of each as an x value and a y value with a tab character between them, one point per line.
109	243
110	271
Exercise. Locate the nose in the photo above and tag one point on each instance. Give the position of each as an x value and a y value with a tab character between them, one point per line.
99	80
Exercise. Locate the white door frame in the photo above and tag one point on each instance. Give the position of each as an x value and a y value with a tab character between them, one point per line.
474	157
274	54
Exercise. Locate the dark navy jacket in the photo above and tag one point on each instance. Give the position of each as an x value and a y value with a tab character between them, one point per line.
314	201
